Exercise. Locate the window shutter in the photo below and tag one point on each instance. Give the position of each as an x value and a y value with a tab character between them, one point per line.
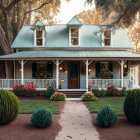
34	70
50	68
97	69
111	67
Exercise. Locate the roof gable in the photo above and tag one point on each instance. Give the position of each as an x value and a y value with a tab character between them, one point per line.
74	21
39	23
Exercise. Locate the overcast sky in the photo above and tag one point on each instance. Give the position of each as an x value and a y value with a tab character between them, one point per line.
70	9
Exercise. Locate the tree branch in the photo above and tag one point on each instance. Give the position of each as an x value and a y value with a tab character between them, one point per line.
50	1
2	7
11	5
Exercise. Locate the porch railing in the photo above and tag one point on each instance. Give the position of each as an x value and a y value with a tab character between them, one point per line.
39	83
103	83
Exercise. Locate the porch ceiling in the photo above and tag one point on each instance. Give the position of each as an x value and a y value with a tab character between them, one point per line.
71	54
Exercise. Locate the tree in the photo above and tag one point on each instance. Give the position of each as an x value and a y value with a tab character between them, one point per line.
134	35
125	12
90	17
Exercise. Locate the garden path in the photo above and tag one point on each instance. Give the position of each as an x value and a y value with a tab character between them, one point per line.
76	123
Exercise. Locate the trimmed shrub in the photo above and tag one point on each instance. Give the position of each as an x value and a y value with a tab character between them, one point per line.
96	92
123	92
29	90
132	106
111	90
102	92
9	106
106	117
50	91
58	96
17	89
41	118
88	97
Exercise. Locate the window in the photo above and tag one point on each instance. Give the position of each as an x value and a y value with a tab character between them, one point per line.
107	38
74	37
39	38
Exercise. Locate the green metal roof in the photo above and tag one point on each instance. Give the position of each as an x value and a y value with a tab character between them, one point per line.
58	36
75	21
70	54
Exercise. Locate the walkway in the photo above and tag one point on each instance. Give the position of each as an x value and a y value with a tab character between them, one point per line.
76	123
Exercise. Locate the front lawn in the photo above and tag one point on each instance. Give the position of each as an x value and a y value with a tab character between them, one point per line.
116	103
29	106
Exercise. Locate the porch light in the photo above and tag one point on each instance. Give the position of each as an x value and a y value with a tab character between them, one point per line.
89	70
60	68
20	70
125	66
62	80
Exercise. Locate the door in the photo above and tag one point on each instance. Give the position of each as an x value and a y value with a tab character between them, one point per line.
134	76
73	75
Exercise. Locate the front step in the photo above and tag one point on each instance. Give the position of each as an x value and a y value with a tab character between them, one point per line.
73	94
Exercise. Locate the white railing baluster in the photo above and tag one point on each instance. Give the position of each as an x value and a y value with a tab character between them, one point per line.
103	83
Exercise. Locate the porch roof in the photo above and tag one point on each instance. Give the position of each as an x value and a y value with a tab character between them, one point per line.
52	54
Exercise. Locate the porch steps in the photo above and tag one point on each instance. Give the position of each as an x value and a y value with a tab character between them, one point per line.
73	94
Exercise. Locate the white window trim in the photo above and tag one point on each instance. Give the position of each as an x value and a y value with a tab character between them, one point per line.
103	39
70	37
43	39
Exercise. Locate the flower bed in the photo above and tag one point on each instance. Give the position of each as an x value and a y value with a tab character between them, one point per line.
88	97
58	96
111	90
24	90
29	90
17	89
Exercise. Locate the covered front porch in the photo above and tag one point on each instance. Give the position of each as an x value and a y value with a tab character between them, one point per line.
71	73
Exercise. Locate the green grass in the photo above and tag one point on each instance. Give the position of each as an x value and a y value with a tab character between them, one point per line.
29	106
115	103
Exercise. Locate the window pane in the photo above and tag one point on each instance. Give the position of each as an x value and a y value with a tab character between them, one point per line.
107	42
74	32
107	34
39	42
74	41
38	34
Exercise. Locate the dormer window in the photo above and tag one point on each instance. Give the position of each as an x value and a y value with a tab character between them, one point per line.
107	38
39	38
74	37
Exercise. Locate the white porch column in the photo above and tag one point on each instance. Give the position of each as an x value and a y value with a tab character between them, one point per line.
122	63
22	72
57	74
86	75
14	71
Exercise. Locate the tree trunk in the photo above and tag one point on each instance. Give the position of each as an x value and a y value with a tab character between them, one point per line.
8	29
19	11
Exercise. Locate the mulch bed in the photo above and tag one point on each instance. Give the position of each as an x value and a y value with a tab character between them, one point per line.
22	129
122	130
38	97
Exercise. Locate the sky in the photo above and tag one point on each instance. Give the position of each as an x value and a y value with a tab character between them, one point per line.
70	9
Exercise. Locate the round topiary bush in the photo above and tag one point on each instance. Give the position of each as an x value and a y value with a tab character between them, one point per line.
132	106
9	106
41	118
106	117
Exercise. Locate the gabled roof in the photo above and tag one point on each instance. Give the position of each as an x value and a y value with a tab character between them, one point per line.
39	23
75	21
58	36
